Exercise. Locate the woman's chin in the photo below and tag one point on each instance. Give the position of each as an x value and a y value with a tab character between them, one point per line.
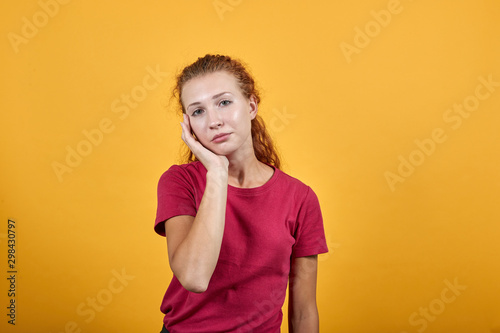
221	151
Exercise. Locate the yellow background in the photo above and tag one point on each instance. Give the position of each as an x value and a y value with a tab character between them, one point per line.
341	121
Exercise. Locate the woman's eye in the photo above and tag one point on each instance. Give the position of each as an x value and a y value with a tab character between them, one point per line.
225	102
197	112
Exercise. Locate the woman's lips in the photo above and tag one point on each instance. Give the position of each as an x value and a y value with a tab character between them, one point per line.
221	137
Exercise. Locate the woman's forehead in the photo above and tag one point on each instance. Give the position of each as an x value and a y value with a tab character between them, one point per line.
206	86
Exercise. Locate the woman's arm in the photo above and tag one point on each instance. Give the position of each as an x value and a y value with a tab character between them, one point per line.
194	242
302	309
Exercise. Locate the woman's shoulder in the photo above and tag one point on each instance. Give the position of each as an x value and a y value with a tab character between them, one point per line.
292	183
192	167
297	192
291	179
189	171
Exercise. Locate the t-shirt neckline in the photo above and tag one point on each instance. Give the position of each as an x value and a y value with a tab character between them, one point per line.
255	190
252	190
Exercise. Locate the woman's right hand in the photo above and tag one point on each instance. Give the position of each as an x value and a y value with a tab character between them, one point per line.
210	160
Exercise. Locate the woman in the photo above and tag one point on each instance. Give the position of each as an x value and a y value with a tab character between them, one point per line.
237	227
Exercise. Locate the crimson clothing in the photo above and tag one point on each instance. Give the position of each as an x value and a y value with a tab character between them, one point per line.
264	228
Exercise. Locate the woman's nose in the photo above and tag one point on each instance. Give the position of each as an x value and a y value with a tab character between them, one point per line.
214	119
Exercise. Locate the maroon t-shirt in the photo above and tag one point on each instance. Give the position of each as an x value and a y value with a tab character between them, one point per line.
264	228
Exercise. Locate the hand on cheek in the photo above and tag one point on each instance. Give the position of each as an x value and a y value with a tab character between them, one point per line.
204	155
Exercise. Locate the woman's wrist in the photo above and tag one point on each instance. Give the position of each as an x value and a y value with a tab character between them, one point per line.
218	174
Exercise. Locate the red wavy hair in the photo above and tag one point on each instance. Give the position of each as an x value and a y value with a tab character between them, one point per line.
263	145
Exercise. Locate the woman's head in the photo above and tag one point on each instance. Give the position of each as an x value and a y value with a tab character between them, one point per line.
215	63
262	144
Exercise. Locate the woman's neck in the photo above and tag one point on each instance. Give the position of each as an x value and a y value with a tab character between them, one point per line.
248	173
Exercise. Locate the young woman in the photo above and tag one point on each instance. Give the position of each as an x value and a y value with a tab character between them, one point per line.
238	228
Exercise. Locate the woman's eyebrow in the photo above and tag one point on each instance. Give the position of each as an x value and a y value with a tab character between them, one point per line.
213	97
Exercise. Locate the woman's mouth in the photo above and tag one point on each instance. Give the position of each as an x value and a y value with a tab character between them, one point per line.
221	137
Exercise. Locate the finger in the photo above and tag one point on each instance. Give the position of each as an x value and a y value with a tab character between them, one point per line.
186	125
183	128
186	128
187	122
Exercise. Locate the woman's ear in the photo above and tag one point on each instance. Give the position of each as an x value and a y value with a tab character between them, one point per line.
253	106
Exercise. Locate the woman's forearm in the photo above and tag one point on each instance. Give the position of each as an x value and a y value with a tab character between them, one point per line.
304	323
196	256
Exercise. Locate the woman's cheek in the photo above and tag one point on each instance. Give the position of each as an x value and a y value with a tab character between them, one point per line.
200	137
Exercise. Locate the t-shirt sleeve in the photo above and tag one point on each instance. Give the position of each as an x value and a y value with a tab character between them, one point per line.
175	197
310	233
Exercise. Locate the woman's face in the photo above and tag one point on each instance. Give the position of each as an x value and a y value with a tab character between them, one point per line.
216	106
